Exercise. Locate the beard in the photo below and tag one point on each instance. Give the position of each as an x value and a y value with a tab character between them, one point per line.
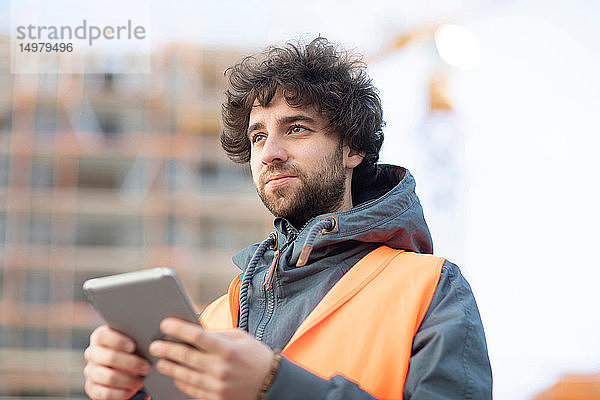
321	190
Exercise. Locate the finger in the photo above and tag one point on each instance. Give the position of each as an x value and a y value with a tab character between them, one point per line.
195	382
107	337
193	334
232	333
100	392
125	362
190	390
180	353
112	378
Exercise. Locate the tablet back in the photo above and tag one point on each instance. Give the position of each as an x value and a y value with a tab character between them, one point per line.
135	303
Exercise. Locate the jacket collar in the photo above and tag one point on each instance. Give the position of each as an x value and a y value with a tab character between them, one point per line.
387	212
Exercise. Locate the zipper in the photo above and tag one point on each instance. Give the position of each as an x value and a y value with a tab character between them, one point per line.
269	290
269	283
270	295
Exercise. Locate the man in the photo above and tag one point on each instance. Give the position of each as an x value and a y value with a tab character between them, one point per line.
339	287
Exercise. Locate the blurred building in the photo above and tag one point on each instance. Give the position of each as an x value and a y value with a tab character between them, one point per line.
101	174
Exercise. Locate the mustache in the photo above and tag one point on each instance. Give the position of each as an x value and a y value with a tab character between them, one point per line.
288	169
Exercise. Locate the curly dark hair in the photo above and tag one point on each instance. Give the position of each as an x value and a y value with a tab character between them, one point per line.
318	74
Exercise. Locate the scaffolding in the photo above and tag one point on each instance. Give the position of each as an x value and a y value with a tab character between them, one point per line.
108	173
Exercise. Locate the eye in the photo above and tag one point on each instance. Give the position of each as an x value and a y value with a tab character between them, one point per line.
257	137
297	129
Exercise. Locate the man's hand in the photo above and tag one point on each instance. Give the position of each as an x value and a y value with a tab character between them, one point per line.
224	365
112	371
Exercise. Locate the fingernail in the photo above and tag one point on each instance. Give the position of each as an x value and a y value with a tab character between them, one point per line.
165	324
146	368
160	366
129	347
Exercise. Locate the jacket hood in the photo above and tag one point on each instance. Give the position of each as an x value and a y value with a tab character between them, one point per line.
387	212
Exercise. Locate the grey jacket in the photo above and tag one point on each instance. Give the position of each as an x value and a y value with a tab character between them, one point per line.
449	355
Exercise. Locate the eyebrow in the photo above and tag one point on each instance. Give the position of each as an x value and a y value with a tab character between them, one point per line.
283	121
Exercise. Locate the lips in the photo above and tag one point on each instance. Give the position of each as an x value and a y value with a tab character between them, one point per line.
278	180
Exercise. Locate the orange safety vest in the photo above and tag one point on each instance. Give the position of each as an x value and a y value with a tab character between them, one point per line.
364	327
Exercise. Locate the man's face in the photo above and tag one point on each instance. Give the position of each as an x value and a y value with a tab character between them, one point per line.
298	168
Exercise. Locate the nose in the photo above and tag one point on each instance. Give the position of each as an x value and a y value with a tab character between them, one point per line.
273	151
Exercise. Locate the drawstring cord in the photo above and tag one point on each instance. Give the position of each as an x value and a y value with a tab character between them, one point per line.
322	227
248	274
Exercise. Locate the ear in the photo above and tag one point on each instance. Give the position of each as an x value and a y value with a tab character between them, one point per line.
354	158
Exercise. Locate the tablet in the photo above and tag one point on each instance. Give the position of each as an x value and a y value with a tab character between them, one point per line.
135	303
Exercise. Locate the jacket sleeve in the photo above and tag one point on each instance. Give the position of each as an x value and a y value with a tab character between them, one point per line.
293	382
449	356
